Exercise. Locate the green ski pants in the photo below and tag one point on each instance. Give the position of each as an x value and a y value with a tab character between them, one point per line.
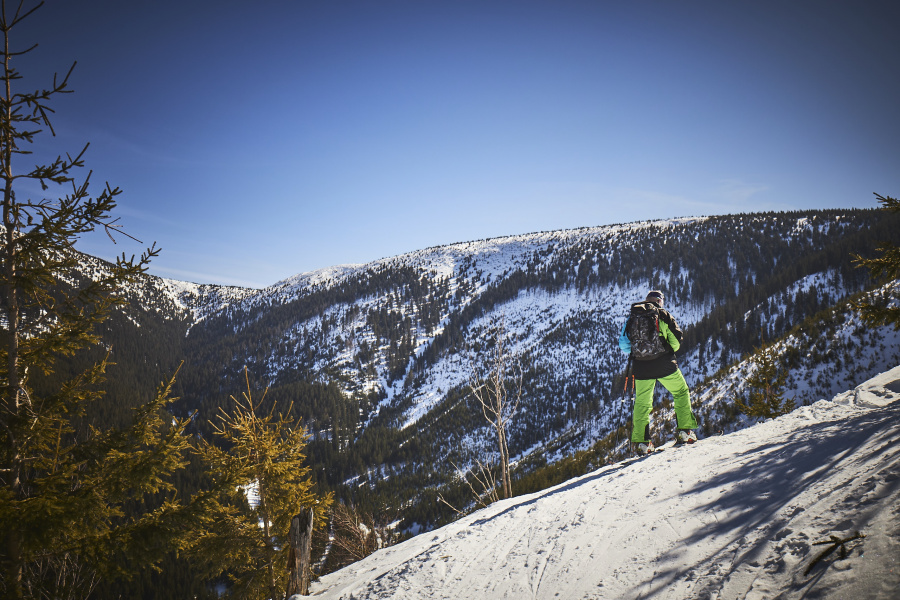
643	402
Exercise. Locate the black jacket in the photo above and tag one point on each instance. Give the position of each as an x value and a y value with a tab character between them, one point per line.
664	365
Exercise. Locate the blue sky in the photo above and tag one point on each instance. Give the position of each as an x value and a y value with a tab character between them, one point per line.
255	141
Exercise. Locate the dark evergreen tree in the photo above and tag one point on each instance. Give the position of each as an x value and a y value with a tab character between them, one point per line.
883	268
766	388
78	501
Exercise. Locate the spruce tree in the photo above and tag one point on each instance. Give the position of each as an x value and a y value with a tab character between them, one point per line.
72	493
883	269
263	454
766	388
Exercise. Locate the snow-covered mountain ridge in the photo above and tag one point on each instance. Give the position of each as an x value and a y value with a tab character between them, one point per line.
734	516
499	255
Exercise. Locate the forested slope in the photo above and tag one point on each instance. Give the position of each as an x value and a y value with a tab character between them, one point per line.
375	358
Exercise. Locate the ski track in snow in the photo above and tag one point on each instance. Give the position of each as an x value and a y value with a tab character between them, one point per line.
735	516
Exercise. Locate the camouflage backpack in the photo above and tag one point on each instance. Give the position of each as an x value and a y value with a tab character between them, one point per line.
643	332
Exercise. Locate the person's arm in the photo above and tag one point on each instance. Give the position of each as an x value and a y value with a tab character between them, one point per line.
669	329
624	342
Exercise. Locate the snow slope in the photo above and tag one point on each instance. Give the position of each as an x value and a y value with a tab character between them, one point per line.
734	516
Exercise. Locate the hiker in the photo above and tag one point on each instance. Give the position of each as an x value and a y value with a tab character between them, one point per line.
651	337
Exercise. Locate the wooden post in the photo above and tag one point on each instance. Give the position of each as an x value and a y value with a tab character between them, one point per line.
301	547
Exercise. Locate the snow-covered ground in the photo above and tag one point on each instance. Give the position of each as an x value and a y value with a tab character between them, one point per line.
734	516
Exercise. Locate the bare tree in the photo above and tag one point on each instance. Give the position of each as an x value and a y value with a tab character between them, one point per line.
486	492
496	384
359	533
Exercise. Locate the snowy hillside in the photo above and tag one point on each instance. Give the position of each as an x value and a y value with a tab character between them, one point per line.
734	516
398	333
375	359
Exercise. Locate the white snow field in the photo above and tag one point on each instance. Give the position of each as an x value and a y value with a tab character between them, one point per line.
734	516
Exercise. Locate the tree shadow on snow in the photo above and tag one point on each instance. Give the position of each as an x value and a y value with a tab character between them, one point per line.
760	495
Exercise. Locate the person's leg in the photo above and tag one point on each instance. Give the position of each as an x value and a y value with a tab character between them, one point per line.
678	387
643	402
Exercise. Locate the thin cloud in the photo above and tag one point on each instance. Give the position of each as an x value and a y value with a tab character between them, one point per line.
735	191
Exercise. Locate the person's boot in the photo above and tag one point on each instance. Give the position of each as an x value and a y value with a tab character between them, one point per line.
685	436
645	448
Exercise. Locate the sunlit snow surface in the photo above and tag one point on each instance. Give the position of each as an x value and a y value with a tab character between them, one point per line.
734	516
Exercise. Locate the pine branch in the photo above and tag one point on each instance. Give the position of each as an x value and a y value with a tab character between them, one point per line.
834	543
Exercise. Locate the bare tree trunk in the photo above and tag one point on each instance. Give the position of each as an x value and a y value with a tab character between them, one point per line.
504	459
299	559
14	567
264	513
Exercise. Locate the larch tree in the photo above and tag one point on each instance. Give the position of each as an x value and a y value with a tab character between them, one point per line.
68	485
